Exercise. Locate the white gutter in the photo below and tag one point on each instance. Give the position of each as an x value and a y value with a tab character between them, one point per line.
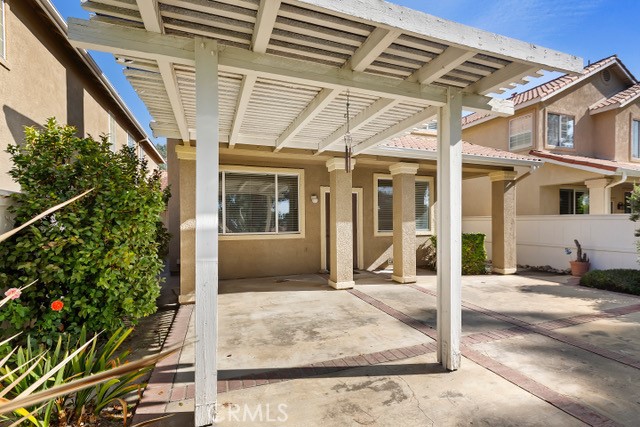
59	21
622	180
467	158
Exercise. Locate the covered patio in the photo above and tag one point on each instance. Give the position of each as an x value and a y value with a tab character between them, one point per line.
536	350
278	74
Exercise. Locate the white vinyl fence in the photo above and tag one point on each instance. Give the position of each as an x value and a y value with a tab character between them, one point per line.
608	240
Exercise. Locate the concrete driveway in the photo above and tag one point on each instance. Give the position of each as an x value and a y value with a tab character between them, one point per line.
293	352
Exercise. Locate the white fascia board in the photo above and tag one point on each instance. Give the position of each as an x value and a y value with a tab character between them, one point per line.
466	158
447	32
580	167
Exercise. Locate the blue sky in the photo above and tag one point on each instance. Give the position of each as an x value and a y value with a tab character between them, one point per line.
591	29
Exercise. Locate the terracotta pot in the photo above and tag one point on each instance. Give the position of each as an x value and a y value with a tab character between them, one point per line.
578	268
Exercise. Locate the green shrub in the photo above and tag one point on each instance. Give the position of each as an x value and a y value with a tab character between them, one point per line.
100	255
474	254
619	280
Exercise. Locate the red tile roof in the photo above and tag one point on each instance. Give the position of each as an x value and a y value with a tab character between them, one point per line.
550	88
620	99
430	143
603	164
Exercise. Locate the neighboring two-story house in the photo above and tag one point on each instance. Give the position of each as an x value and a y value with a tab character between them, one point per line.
586	128
42	76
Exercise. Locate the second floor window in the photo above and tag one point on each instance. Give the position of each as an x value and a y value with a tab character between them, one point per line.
635	139
521	132
560	130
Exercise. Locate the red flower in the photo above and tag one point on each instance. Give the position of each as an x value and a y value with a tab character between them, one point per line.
57	305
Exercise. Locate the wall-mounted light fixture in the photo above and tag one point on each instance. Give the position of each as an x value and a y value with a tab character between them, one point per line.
314	199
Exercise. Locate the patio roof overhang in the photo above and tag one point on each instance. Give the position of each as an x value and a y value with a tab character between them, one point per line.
285	66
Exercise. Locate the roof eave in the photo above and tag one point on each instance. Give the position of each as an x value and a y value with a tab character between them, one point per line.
466	158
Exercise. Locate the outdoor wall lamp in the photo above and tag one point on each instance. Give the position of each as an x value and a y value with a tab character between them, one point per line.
314	199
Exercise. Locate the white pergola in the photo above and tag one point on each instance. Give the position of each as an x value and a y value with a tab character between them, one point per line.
277	72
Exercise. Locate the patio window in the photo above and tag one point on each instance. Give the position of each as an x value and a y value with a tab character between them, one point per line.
259	203
635	139
384	212
3	32
574	202
521	132
560	130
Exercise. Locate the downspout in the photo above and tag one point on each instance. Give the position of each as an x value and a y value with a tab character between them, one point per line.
622	180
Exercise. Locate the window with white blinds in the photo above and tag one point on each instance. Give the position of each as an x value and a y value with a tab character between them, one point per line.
521	132
384	193
3	32
635	139
258	203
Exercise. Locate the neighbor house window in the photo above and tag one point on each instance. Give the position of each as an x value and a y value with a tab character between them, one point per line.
521	132
635	139
560	130
259	203
3	32
574	202
384	192
112	132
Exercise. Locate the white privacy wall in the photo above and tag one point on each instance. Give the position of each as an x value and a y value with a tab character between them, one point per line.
608	240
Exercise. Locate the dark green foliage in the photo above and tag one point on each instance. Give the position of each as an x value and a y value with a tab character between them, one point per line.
100	254
619	280
474	254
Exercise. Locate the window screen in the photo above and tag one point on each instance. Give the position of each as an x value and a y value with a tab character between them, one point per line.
560	130
258	203
423	220
521	132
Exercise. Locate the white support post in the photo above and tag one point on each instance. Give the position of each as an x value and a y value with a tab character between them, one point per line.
449	250
207	152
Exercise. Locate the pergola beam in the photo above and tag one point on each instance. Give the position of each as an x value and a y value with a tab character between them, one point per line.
370	113
248	83
140	43
377	42
267	14
493	82
150	12
421	117
448	60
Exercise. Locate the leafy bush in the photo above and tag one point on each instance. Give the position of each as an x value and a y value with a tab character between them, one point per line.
474	254
97	261
618	280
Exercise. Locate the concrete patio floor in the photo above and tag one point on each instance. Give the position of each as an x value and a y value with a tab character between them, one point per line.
292	351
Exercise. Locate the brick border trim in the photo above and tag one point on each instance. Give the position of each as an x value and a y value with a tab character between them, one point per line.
560	401
159	386
547	328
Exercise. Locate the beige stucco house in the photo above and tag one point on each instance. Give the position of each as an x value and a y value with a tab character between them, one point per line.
42	76
586	129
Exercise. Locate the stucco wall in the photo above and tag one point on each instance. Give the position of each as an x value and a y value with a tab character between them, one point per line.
43	77
267	256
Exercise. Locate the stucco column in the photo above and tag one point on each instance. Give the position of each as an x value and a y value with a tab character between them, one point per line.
503	222
340	223
599	196
186	163
404	222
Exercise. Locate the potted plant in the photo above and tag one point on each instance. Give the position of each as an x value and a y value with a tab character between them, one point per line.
581	264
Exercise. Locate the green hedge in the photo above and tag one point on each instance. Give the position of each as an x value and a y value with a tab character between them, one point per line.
620	280
474	254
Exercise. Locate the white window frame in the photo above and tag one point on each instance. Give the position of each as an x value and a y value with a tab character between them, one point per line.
573	190
3	34
635	138
573	140
300	234
376	178
513	121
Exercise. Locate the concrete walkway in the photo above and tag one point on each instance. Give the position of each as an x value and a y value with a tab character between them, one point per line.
537	351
